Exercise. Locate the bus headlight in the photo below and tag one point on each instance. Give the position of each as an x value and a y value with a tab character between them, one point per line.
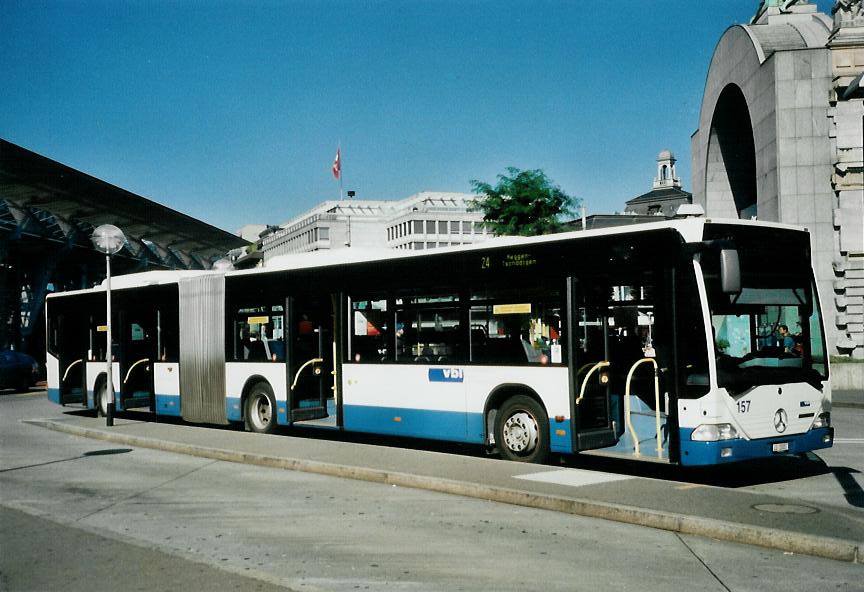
823	421
711	432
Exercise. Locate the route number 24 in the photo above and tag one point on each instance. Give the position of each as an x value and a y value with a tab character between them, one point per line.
743	406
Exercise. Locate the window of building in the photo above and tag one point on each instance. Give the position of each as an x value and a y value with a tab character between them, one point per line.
466	228
442	227
454	227
418	226
418	246
324	233
430	226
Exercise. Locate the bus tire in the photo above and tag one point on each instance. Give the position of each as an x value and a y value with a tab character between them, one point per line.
259	411
522	430
100	395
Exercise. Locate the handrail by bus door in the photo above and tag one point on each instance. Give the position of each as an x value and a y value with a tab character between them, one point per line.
132	367
333	372
656	406
595	367
69	367
303	367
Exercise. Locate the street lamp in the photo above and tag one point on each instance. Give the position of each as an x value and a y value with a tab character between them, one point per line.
108	239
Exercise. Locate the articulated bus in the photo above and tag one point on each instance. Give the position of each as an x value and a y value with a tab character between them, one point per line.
665	341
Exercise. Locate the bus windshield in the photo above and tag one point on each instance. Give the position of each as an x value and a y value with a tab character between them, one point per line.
770	332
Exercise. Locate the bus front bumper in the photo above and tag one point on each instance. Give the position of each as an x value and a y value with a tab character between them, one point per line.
726	451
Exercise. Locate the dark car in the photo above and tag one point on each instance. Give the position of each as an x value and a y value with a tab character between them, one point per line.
17	370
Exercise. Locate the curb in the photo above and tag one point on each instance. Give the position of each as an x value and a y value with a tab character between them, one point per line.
782	540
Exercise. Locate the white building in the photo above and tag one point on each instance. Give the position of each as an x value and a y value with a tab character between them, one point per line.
423	221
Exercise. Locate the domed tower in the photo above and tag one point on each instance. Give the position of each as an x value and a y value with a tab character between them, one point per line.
666	193
666	176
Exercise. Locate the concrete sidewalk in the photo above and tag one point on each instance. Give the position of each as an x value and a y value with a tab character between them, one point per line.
848	399
690	508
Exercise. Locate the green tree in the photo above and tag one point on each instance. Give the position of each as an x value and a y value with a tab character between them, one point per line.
524	203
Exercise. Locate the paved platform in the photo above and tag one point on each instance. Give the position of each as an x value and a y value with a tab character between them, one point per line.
848	399
685	507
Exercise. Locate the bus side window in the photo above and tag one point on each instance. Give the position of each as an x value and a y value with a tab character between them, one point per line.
370	334
429	330
512	327
258	334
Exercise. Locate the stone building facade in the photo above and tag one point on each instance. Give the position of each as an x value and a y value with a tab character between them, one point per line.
780	139
425	220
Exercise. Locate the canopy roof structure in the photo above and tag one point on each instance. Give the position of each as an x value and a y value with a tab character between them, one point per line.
47	214
44	198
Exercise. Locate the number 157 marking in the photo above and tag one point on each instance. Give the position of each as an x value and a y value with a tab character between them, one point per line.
743	406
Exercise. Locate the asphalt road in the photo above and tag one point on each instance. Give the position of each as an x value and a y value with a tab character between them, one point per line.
78	514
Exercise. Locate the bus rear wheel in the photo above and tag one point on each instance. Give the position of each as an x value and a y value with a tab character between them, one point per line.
260	409
522	430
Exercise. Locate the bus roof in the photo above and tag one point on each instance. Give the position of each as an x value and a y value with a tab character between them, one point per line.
137	280
690	229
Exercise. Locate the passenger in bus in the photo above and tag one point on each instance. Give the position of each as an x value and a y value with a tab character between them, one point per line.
784	339
254	348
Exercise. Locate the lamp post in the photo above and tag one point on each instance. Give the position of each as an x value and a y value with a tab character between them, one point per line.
108	239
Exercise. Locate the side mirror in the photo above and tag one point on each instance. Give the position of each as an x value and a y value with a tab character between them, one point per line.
730	271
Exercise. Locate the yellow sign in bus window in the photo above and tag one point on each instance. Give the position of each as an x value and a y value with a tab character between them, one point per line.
258	320
102	329
503	309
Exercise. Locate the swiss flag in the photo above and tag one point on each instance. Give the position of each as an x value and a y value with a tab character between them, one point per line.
337	164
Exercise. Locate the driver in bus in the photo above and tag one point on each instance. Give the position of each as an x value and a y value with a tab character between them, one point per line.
784	339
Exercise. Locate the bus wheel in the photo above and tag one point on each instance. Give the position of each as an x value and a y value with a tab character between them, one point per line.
260	409
522	430
101	395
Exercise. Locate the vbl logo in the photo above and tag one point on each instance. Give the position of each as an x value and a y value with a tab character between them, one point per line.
446	375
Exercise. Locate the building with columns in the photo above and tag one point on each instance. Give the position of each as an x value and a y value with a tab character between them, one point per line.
780	138
426	220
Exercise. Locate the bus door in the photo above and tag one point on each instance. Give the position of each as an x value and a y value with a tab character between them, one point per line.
138	352
594	423
311	348
616	393
70	330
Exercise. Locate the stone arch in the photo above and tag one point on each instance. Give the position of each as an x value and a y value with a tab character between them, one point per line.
731	158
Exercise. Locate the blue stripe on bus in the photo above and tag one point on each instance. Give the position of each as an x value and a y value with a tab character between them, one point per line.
168	405
560	442
439	425
415	423
708	453
54	397
233	409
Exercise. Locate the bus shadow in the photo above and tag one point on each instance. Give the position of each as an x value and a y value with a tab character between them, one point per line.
732	476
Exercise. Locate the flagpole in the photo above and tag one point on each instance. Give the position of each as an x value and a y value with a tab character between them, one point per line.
341	197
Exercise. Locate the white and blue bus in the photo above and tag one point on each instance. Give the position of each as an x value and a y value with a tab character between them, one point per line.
684	341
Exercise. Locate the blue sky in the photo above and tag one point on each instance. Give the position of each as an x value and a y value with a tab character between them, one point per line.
231	111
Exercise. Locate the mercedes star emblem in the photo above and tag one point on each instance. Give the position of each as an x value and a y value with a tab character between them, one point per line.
781	420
